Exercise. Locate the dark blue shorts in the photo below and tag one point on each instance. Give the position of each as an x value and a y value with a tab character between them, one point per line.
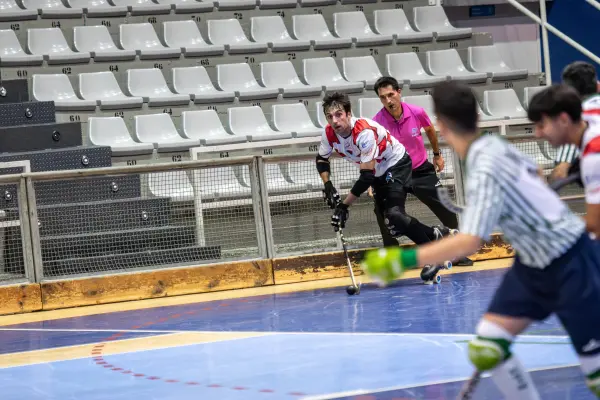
569	287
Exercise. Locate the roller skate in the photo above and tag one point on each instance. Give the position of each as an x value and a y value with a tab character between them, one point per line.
429	273
441	232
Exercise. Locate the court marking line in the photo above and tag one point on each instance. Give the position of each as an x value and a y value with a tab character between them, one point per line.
360	392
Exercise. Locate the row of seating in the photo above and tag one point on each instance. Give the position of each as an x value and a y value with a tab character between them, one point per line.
276	78
203	127
184	37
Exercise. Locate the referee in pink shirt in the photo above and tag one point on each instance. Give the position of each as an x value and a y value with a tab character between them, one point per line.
404	122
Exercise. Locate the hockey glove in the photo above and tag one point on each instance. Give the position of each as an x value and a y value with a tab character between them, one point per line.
339	217
331	196
385	265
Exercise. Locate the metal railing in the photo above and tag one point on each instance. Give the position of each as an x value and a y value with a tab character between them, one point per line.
66	224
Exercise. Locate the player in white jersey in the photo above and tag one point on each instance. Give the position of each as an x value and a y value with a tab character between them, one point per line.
560	117
384	165
557	265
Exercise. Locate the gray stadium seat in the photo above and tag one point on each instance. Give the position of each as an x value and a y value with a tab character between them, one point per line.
58	88
173	184
251	122
325	72
150	84
394	22
361	69
407	69
294	118
142	38
235	5
368	107
205	126
222	182
143	7
449	63
484	116
11	11
104	88
277	179
98	8
276	4
52	9
51	42
272	30
282	75
112	131
188	6
321	120
503	103
425	102
186	36
487	59
434	19
12	54
160	130
529	92
240	79
229	33
353	24
313	27
194	81
97	41
304	173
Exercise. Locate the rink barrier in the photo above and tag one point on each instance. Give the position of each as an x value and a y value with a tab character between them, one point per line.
209	224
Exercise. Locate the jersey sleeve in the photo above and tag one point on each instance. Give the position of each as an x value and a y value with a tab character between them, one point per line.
325	148
566	153
484	203
590	175
423	118
367	144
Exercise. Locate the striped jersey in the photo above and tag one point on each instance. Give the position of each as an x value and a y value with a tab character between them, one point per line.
503	190
367	141
590	150
568	152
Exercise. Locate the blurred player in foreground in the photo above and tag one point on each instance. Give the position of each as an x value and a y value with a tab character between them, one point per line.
384	164
556	267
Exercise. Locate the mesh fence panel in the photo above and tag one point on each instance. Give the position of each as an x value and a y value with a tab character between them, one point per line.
12	260
131	221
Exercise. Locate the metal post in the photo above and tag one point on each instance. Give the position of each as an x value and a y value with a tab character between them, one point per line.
35	231
545	44
260	198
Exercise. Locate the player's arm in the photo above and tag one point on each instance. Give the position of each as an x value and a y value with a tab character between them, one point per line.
431	133
368	150
324	169
564	158
590	174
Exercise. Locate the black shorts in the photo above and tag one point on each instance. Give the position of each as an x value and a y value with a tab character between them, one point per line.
392	187
569	287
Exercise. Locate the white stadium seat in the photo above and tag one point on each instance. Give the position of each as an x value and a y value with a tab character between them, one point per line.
112	131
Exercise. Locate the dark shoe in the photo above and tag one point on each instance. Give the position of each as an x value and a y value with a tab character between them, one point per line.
463	262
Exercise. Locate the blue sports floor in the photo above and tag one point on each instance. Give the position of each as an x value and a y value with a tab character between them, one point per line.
406	341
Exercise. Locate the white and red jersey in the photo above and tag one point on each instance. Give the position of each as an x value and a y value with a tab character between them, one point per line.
368	141
590	150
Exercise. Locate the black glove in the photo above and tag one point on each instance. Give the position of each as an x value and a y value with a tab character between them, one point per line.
331	196
575	168
339	217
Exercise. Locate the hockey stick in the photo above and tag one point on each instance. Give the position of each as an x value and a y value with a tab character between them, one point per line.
466	393
354	289
558	184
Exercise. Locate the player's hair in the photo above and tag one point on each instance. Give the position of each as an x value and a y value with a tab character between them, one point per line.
553	101
582	77
455	103
386	81
337	99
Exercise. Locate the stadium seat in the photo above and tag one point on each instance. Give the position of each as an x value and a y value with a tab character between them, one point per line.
304	173
98	8
174	184
58	88
12	12
321	120
325	72
276	4
294	118
395	23
528	93
150	84
425	102
487	59
143	7
12	54
222	182
188	6
251	122
186	36
434	19
361	69
282	75
52	9
160	130
407	69
51	42
272	30
240	79
142	38
112	131
368	107
229	33
503	103
353	24
97	41
484	116
236	5
194	81
205	126
448	63
104	88
313	27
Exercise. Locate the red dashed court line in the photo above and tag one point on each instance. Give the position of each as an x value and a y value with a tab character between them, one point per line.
98	358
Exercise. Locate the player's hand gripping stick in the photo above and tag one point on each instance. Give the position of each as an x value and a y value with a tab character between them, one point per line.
331	196
340	216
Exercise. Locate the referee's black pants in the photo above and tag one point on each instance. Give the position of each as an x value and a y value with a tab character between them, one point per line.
423	186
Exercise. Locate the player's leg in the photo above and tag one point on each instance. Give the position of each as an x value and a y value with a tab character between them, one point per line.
388	239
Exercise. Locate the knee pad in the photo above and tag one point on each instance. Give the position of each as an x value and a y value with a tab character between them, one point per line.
491	347
396	221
